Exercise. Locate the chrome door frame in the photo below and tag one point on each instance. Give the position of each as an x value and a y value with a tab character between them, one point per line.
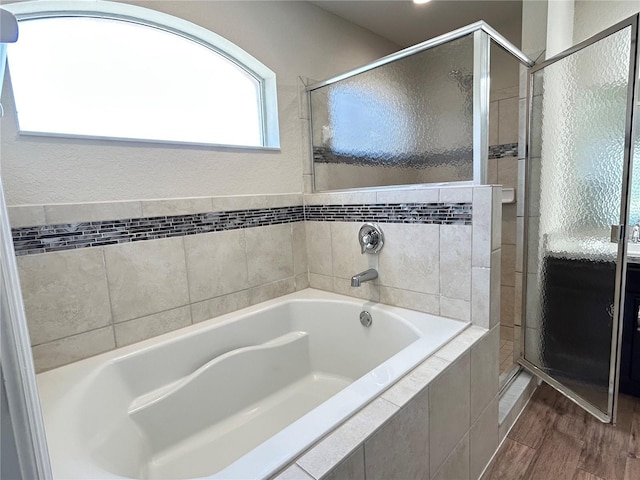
621	261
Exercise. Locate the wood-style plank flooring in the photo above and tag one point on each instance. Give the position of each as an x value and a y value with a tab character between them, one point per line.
554	439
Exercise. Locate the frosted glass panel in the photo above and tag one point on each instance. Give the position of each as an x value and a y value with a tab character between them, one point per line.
577	143
409	121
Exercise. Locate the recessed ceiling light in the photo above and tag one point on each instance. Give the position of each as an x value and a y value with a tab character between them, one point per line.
421	1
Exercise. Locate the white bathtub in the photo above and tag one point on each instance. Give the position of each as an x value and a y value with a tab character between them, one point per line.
239	396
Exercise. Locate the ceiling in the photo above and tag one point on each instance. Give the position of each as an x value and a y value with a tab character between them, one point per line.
406	23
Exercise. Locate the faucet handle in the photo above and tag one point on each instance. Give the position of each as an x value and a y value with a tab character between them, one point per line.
371	238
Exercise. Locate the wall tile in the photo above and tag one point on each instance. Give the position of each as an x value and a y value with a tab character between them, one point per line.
319	247
294	472
509	224
506	333
86	212
459	345
492	171
484	372
456	466
503	93
482	208
423	302
400	449
321	282
423	195
455	308
455	261
146	277
415	381
242	202
509	116
483	439
299	239
508	172
65	293
269	253
26	215
448	420
302	281
321	459
351	469
493	123
507	304
175	206
347	258
456	194
410	258
508	265
265	292
340	198
480	296
215	307
216	263
150	326
70	349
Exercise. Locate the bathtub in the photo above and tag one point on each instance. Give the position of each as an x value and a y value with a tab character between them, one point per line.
239	396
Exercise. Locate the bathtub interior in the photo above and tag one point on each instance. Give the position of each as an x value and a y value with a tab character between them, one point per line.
160	411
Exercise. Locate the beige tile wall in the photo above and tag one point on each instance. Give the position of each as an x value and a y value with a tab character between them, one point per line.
439	269
436	423
504	123
83	302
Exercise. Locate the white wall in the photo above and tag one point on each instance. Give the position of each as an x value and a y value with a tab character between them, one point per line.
592	16
292	38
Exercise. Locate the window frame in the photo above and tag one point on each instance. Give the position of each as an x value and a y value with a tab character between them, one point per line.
41	9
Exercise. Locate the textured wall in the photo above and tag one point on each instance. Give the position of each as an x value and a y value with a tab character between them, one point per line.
292	38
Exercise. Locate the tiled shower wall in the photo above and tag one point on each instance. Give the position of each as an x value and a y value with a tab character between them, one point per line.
443	269
183	261
503	170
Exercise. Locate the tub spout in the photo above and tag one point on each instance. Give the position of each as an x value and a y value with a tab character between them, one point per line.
362	277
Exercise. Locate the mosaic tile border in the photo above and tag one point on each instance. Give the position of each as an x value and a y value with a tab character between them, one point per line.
424	213
69	236
505	150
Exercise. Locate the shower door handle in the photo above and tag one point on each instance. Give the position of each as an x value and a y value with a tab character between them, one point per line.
638	319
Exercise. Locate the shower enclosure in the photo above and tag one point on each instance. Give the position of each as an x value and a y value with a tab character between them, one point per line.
420	116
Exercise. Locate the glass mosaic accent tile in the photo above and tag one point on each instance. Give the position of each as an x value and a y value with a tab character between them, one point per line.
68	236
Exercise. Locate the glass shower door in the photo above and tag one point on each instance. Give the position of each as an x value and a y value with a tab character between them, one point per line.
579	146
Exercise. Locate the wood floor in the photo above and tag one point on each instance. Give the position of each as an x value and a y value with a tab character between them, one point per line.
554	440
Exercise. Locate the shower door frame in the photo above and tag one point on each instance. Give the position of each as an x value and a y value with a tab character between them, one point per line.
621	259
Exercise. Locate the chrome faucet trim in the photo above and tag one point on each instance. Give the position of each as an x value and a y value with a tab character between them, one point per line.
365	276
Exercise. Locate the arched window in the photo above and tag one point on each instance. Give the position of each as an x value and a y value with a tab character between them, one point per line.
110	70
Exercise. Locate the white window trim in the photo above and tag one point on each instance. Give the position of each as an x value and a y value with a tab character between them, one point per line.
145	16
